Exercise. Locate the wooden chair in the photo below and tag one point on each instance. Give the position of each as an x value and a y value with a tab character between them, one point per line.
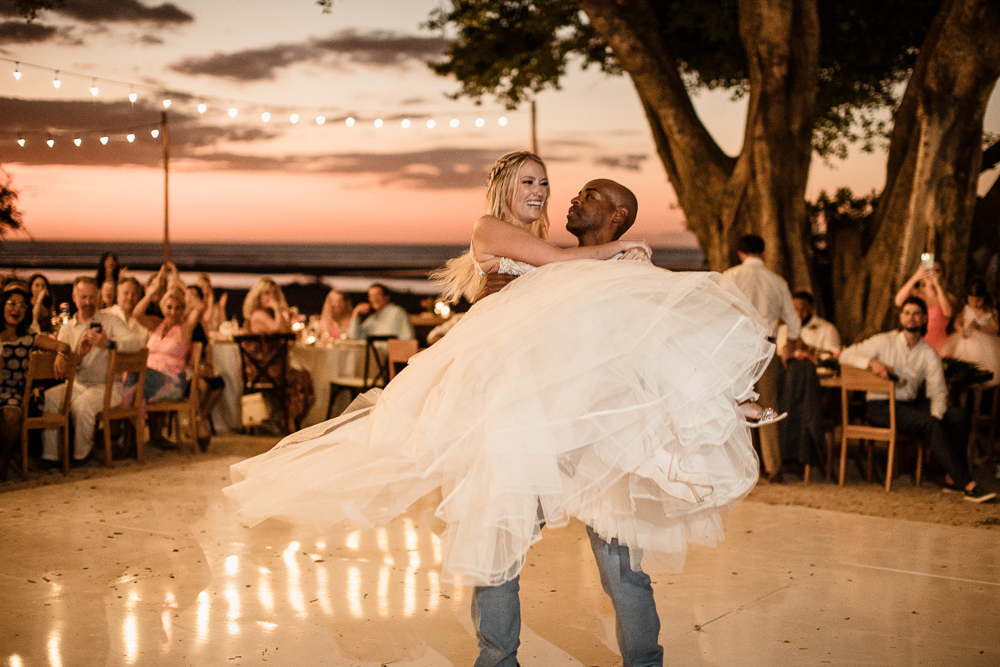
983	424
857	379
265	368
376	372
400	352
189	405
40	367
120	364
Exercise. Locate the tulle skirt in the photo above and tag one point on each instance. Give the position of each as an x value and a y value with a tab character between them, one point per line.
603	391
979	348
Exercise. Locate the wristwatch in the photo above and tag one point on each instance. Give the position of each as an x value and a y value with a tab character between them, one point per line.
111	344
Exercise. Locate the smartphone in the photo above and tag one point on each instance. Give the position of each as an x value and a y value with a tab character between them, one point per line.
927	261
96	326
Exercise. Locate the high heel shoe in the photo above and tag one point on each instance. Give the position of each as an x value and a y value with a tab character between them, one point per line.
768	416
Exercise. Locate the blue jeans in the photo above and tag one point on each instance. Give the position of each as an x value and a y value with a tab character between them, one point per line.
496	612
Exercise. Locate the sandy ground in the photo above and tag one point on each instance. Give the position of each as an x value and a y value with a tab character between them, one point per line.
928	503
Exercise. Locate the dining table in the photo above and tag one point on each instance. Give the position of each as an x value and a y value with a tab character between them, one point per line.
344	358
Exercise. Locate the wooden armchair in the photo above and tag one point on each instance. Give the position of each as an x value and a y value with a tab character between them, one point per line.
120	364
187	405
376	372
40	367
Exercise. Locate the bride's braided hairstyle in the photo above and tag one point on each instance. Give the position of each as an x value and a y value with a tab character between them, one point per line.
459	275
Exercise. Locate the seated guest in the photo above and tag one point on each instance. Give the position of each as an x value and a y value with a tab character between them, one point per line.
215	311
335	320
816	335
384	318
91	335
906	355
169	344
41	302
266	311
210	385
17	341
109	290
975	339
129	294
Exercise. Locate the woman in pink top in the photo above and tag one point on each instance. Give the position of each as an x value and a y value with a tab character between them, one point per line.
940	305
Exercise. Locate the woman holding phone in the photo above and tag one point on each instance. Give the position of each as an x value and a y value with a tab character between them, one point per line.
926	284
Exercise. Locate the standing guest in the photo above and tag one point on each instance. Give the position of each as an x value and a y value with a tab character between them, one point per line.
816	335
384	318
769	293
41	302
905	354
129	294
91	335
17	341
975	339
108	268
335	320
266	311
926	285
215	311
109	289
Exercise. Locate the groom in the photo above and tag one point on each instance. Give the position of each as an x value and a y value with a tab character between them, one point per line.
602	212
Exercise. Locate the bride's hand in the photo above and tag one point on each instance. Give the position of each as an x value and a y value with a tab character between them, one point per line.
635	254
640	246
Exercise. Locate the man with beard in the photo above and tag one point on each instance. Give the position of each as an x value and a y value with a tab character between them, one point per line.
602	212
906	355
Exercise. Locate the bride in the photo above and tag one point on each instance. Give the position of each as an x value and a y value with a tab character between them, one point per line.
603	391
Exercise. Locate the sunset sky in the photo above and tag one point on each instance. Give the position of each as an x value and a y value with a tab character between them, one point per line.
241	179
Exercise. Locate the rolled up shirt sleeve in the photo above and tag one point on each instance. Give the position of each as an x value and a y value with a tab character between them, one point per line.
125	340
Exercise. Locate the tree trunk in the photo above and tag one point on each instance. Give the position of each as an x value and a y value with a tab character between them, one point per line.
932	169
763	190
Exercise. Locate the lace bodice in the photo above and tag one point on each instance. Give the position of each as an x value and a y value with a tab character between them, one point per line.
508	266
970	316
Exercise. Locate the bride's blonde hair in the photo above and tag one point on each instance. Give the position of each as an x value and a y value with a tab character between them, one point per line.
459	275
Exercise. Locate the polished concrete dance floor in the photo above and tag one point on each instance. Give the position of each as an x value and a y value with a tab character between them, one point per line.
151	568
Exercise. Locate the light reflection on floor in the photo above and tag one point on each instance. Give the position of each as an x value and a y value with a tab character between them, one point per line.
151	568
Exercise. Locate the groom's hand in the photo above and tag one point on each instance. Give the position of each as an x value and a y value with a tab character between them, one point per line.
494	283
634	254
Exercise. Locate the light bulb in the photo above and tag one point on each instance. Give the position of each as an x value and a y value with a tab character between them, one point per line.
202	107
350	121
265	116
130	137
94	89
233	111
320	120
502	121
78	141
132	97
20	142
430	124
155	133
454	122
405	123
51	143
17	71
166	104
378	122
56	82
104	141
293	119
480	122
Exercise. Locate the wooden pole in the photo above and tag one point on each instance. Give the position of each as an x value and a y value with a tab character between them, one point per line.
165	133
534	128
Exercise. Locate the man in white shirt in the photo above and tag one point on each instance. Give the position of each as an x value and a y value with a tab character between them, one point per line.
384	317
769	293
129	294
905	354
92	335
816	334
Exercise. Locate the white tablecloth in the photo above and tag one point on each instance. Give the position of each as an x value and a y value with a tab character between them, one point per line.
323	363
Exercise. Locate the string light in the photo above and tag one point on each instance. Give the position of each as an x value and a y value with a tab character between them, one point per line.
51	142
233	111
94	89
132	97
378	122
17	71
502	121
104	141
20	141
405	123
430	124
130	136
350	121
78	141
56	82
293	119
320	120
166	103
202	108
480	122
155	133
454	122
265	116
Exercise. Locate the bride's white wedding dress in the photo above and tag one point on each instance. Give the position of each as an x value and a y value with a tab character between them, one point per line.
604	391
